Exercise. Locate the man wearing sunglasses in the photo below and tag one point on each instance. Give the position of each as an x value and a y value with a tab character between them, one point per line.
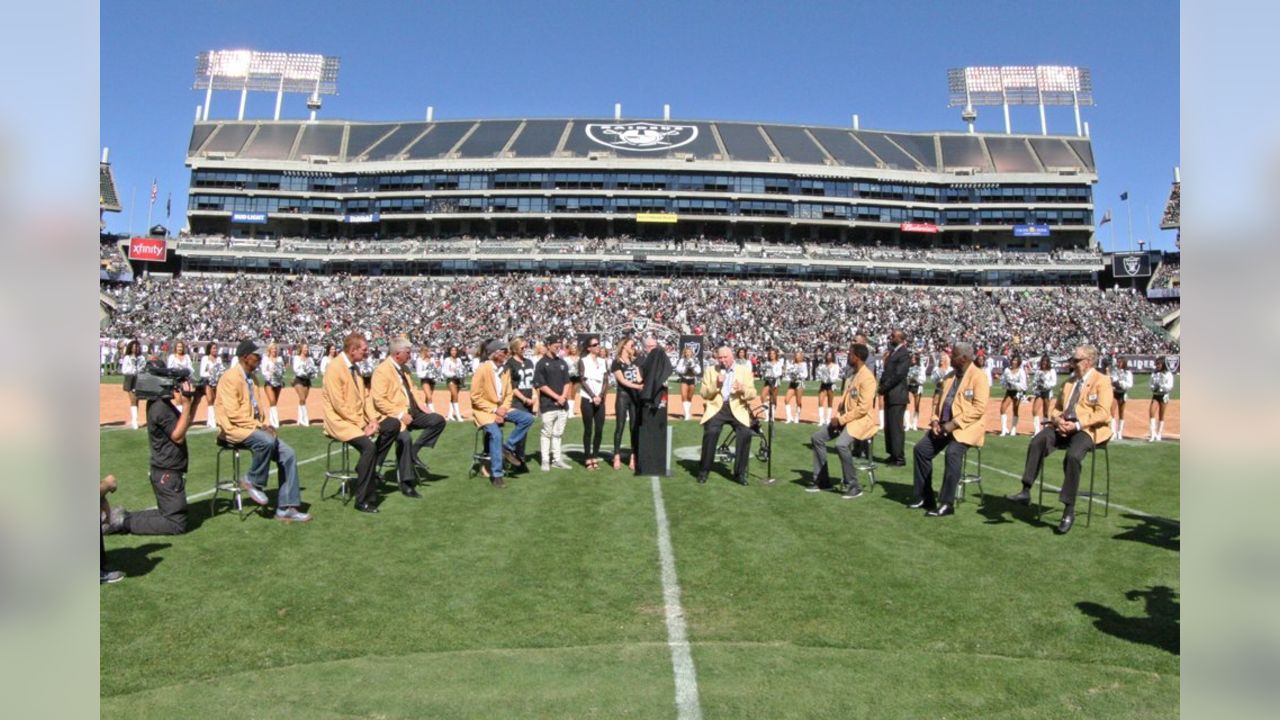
1079	420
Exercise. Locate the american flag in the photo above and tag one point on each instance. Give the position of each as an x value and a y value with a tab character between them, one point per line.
154	191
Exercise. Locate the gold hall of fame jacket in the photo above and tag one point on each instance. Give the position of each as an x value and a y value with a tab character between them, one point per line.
235	408
346	411
738	402
484	394
856	405
386	392
1093	407
969	407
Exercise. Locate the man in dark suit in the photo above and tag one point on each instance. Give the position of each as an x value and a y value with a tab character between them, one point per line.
893	386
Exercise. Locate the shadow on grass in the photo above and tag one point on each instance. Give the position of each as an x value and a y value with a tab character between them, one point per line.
1158	629
1159	532
998	510
135	561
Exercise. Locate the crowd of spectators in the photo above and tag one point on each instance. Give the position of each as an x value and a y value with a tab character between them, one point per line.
1173	208
1167	275
624	244
791	316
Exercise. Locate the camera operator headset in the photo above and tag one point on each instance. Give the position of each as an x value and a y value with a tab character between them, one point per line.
172	402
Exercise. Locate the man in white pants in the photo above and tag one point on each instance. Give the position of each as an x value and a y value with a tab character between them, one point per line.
551	383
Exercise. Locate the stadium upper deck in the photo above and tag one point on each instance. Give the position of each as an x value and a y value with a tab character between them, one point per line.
643	179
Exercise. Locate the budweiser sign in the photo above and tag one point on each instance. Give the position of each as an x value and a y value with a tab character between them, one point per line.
148	249
916	227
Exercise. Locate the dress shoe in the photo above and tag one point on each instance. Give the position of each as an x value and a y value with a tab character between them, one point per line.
367	507
898	462
921	504
741	481
942	510
510	456
1022	497
498	482
1068	519
702	478
410	492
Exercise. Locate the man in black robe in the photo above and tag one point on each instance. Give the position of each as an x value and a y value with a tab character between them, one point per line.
651	425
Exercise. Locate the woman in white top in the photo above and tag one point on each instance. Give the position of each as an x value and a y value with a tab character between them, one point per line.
772	370
1014	378
688	369
915	386
330	352
211	370
272	370
592	370
179	358
797	371
828	373
1043	384
455	371
1161	386
304	373
428	372
130	364
1121	384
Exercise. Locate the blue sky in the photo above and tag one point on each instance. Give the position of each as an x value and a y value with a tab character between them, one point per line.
815	62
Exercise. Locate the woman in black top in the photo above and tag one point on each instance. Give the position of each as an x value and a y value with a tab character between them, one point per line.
627	374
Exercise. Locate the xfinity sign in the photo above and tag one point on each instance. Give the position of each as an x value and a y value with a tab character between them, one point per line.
148	249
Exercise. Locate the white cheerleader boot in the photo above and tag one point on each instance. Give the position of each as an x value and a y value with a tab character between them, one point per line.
1151	436
687	407
133	417
1160	432
274	418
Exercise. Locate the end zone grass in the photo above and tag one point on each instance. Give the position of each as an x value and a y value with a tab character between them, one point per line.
545	600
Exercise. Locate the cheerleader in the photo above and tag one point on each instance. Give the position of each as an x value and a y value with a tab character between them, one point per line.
827	374
330	352
1043	383
773	370
428	372
1014	378
272	370
179	359
689	370
1121	383
129	367
571	391
304	372
1161	386
797	371
454	369
915	383
211	369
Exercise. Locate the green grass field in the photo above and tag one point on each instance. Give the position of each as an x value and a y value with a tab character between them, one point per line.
545	600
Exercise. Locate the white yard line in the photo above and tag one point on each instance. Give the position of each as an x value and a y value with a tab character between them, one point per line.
687	707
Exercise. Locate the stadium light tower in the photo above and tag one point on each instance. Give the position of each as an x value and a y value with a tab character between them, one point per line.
246	70
1019	85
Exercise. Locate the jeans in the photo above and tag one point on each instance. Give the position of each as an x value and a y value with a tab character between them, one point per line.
265	449
523	421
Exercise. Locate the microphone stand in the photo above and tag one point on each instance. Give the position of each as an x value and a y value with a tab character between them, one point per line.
769	478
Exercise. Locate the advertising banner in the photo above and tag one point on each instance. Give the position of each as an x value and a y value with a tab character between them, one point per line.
148	249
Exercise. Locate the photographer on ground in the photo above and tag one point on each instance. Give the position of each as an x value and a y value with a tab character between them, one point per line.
171	406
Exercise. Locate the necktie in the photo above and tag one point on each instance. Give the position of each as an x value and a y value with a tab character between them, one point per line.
946	402
404	379
726	385
253	397
1070	411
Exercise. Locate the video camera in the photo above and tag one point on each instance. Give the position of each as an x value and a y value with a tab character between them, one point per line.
157	382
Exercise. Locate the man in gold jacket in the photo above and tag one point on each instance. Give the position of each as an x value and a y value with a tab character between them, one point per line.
855	425
398	414
491	393
959	423
727	391
348	418
1078	422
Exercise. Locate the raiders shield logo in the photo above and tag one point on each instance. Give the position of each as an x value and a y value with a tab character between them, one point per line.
639	324
1132	264
642	136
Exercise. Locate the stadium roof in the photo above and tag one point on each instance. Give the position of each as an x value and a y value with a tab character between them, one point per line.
108	198
428	143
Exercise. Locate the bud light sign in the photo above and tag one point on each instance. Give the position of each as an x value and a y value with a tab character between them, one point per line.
1031	231
148	249
249	218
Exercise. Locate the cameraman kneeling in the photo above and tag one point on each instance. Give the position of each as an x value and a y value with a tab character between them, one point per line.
168	418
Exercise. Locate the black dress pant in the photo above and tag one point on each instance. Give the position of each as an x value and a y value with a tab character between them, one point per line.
711	438
592	426
408	448
894	434
371	456
1076	444
925	450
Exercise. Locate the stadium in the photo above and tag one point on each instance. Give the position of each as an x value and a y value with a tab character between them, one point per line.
576	593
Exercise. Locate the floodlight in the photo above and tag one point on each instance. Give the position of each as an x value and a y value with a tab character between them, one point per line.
1020	85
278	72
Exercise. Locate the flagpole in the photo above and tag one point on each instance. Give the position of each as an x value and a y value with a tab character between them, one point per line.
1129	211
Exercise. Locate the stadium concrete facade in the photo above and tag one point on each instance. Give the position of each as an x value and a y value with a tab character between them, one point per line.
673	197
